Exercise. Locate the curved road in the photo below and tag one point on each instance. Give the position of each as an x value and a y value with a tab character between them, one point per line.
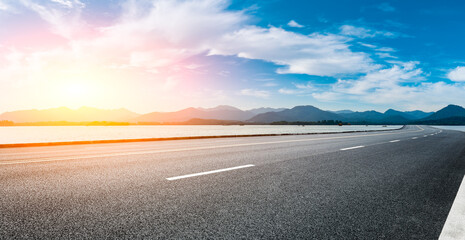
379	185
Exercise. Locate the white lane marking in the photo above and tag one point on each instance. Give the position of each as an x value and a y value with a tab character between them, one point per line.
432	134
350	148
414	137
454	228
209	172
190	149
425	136
393	141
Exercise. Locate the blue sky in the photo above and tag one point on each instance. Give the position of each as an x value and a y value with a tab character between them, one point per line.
161	55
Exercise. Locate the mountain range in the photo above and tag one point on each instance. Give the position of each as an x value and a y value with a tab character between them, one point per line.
451	114
83	114
221	112
296	114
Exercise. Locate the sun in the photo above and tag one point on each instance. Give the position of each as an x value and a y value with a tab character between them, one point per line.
76	90
76	93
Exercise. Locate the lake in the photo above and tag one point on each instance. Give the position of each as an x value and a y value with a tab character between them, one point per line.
458	128
34	134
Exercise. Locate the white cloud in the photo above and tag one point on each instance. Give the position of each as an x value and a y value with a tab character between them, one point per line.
65	18
361	32
163	33
389	78
289	91
4	7
293	23
158	36
255	93
307	86
315	54
299	89
170	83
146	38
327	96
270	84
69	4
367	45
457	74
385	55
402	85
385	49
185	24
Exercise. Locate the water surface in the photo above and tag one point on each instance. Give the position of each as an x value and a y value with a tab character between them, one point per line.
458	128
35	134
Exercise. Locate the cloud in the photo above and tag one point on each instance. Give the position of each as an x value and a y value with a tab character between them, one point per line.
69	4
457	74
255	93
65	18
367	45
293	23
376	82
170	83
327	96
385	55
152	40
388	78
361	32
164	33
156	38
385	49
307	86
299	89
403	84
5	7
289	91
315	54
270	84
386	7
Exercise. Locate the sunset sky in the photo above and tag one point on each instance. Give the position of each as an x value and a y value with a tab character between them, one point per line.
165	55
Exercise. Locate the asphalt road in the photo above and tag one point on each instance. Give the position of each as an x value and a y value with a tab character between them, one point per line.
380	185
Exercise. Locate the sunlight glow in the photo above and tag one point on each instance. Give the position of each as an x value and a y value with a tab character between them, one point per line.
76	90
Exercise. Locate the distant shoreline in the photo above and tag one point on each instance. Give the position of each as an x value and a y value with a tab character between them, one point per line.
192	122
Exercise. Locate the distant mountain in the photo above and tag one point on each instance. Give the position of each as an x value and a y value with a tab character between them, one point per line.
296	114
225	114
390	116
83	114
394	119
367	116
342	111
412	115
219	113
392	112
198	121
447	112
419	114
265	110
443	121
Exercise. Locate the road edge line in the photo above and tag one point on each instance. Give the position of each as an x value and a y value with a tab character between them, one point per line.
454	227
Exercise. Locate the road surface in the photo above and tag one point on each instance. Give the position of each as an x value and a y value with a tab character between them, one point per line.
380	185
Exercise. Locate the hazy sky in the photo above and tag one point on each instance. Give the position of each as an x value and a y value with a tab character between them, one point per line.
164	55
